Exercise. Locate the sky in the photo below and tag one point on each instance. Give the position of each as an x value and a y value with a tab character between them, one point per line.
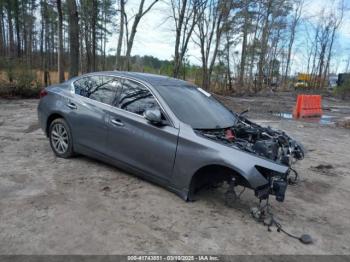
155	35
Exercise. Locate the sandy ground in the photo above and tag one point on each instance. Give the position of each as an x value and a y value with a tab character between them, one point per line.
50	205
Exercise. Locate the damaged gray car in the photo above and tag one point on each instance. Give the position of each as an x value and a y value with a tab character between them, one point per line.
167	131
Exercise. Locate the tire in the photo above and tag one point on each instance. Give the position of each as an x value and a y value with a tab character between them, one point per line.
60	137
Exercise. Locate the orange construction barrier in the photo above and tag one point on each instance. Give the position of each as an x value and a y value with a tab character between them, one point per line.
307	106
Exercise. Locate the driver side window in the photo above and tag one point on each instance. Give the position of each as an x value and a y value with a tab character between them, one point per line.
136	98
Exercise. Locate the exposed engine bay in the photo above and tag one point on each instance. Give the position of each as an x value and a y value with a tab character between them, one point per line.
264	142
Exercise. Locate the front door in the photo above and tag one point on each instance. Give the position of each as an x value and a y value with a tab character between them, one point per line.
133	140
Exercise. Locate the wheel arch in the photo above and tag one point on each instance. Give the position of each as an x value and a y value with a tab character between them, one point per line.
50	119
214	173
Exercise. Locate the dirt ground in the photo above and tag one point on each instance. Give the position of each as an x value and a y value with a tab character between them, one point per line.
50	205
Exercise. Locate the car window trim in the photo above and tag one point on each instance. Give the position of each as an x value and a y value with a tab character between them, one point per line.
116	99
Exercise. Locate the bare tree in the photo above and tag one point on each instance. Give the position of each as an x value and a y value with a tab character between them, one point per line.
274	13
46	40
185	15
253	41
73	20
60	42
321	35
213	16
2	33
246	18
121	34
10	27
267	30
264	43
336	22
231	38
294	23
130	38
94	32
16	13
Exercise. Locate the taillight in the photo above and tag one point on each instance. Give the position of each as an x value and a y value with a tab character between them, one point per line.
43	93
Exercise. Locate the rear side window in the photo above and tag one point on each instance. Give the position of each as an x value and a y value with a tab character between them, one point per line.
103	89
136	98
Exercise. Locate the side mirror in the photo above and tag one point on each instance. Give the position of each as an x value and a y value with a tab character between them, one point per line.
154	116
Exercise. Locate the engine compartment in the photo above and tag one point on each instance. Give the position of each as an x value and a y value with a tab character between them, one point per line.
265	142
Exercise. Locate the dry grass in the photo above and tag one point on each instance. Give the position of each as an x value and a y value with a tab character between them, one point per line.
26	83
39	77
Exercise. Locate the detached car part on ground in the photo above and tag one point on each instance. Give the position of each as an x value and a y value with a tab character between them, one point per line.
167	131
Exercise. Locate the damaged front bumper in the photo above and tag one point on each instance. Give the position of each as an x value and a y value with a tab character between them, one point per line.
272	154
277	186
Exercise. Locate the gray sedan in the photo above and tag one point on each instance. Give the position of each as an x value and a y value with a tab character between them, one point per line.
168	131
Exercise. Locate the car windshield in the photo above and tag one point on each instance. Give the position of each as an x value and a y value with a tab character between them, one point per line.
194	106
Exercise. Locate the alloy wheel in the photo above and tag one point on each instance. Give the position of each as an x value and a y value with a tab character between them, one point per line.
59	138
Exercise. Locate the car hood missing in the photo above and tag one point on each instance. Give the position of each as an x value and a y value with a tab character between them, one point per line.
271	144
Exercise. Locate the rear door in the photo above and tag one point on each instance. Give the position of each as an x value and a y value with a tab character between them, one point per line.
133	140
89	107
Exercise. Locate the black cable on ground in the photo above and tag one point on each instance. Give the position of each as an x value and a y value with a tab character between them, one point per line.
304	238
295	180
259	215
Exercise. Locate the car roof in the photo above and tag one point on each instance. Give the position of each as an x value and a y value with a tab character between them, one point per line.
149	78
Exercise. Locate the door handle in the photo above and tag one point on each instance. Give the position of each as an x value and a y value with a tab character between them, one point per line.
117	122
72	105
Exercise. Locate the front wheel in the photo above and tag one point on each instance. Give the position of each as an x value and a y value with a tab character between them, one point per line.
61	138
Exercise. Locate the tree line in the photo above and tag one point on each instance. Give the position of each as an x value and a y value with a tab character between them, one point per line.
246	43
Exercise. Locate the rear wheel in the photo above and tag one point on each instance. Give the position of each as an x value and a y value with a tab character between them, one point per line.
61	138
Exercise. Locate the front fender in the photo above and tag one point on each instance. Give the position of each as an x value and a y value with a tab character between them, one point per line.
195	152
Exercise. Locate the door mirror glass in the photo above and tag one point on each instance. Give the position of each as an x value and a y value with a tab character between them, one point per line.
154	116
